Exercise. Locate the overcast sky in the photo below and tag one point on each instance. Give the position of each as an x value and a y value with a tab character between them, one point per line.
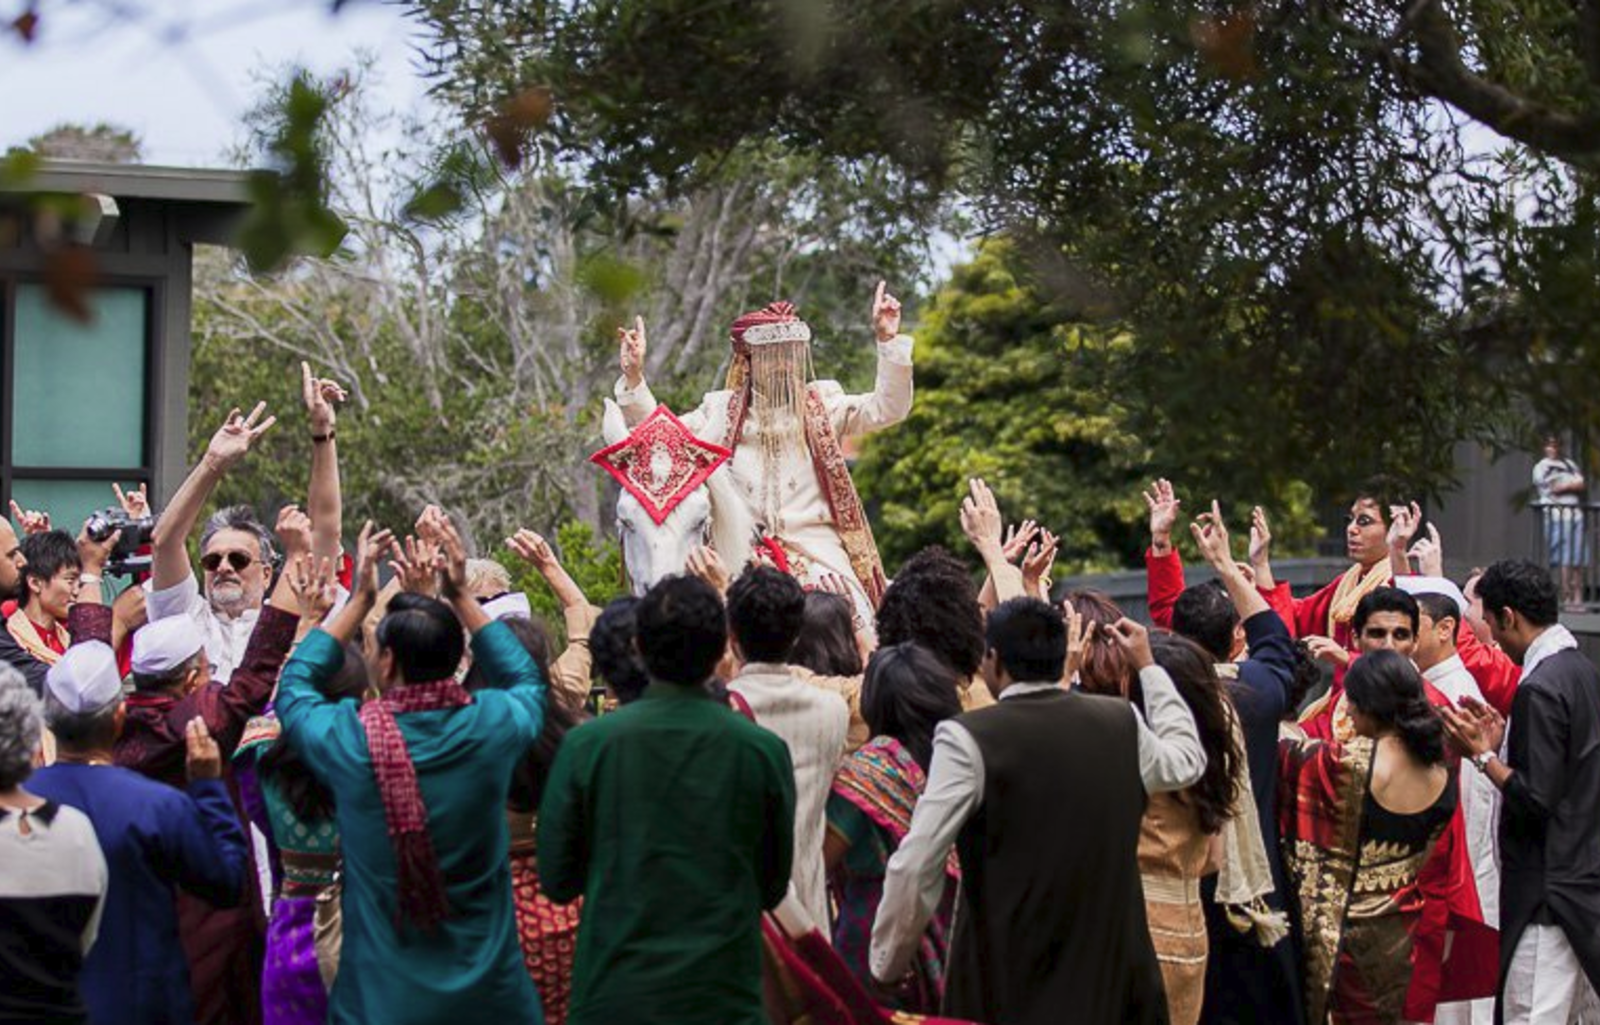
182	80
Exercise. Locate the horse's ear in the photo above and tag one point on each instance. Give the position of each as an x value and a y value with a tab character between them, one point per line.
612	426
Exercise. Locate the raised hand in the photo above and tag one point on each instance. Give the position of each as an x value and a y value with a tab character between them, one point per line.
431	523
95	554
1134	640
1018	537
294	530
1403	524
1163	504
980	517
311	580
451	561
234	438
1326	649
1260	538
1080	630
706	564
1429	553
136	504
631	343
533	549
1037	563
31	522
885	314
203	759
370	548
1211	535
319	395
416	565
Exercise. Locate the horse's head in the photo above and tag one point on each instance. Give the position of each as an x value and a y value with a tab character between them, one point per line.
651	550
664	510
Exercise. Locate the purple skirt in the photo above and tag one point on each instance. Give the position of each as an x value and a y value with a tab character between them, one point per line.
291	987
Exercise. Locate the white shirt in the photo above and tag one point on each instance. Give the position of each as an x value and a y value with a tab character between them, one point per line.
813	723
1170	758
1479	798
226	639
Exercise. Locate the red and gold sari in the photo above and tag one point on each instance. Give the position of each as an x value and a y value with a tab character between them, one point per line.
1358	883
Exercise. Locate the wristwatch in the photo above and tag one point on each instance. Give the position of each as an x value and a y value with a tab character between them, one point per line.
1481	760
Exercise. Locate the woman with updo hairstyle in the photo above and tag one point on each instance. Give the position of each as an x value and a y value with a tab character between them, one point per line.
907	693
1358	821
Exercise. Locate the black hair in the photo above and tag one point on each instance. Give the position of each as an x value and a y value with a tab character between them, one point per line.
1205	614
1384	599
1439	606
907	693
305	795
1523	586
827	644
1194	672
48	553
683	630
1307	675
933	601
424	636
1029	638
611	644
1386	686
528	778
1382	491
766	609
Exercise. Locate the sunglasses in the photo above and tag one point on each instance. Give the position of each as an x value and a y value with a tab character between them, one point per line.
239	561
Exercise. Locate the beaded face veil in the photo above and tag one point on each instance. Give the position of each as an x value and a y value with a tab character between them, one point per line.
660	463
772	365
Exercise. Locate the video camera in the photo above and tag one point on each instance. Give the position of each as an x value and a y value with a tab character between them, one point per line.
136	532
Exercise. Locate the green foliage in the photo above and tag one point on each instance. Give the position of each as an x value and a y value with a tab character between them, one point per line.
1007	390
289	212
1301	242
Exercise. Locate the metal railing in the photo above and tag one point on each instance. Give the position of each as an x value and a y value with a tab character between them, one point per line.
1567	542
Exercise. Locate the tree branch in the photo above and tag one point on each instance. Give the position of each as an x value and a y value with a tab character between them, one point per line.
1440	72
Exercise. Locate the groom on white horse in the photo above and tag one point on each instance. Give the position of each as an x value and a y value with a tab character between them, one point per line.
784	430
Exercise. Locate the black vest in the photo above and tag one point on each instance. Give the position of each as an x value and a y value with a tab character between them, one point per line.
1051	927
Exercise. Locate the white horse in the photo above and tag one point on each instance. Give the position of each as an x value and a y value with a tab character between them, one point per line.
713	514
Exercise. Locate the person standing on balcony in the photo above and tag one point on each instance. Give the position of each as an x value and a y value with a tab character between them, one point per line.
1561	487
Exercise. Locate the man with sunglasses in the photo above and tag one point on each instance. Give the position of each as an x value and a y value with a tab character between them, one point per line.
236	550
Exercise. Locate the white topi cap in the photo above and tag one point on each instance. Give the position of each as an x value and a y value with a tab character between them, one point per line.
165	644
1434	585
85	679
511	605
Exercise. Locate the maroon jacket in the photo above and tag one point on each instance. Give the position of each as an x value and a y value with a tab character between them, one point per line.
224	945
153	741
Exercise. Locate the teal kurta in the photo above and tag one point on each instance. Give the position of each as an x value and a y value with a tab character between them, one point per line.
674	818
469	969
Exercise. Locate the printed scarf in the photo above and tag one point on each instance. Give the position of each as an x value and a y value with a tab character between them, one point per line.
421	899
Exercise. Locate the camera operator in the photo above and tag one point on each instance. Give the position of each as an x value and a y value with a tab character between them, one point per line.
87	619
236	550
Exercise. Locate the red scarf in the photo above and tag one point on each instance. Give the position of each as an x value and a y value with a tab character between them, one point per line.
422	896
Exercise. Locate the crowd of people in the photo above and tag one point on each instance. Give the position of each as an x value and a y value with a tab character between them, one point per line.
369	786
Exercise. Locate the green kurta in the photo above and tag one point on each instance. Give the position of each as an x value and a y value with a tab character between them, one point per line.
674	818
469	969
